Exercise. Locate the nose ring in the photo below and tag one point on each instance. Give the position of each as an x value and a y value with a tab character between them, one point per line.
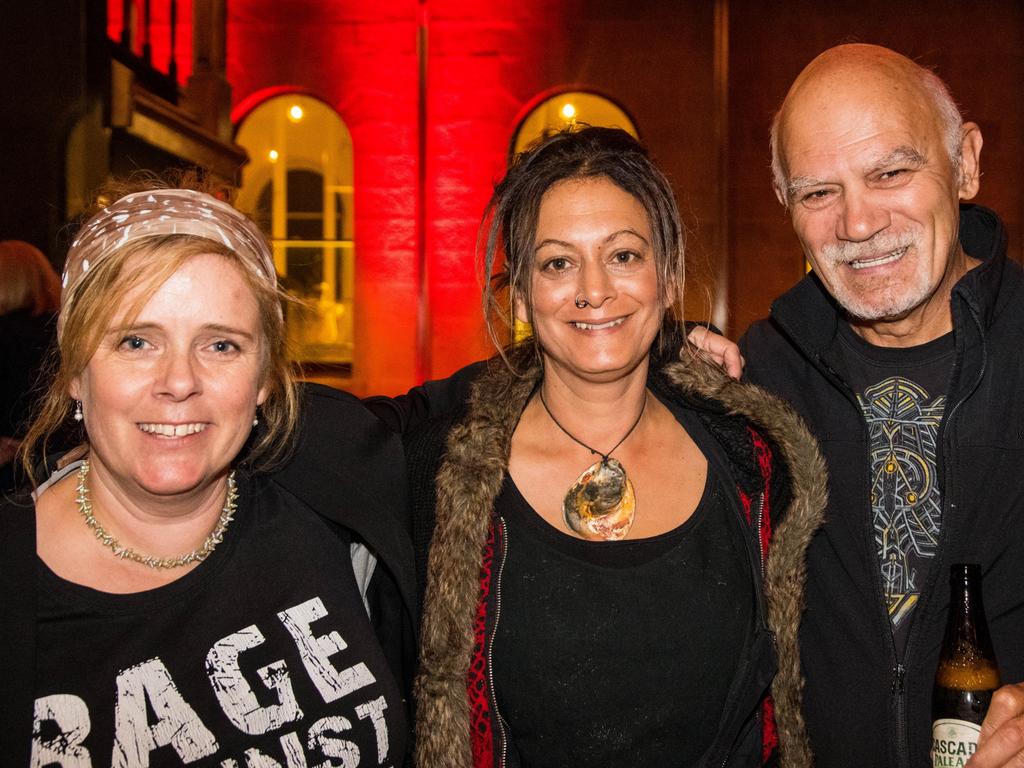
581	302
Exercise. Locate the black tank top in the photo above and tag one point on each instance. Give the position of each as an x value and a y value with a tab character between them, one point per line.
619	653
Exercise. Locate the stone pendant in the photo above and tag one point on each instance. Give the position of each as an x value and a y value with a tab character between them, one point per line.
601	504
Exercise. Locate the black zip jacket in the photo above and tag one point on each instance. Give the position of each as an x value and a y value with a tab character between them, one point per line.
861	706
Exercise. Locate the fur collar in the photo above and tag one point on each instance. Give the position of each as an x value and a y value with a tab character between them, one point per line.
470	479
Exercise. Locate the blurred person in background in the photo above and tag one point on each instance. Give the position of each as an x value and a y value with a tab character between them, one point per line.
29	299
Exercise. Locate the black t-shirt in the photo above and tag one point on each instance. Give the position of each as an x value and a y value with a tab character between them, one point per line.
262	656
619	653
902	394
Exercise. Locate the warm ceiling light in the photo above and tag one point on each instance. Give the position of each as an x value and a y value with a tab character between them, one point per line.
568	111
273	155
295	113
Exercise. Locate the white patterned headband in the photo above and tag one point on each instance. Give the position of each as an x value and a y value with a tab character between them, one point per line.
162	212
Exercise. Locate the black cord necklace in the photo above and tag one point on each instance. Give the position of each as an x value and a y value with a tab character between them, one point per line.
571	436
601	503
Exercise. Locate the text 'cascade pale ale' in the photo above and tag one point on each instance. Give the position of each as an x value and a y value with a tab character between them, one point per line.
967	673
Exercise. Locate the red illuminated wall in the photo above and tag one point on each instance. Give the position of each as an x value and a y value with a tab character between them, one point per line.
484	65
699	79
362	60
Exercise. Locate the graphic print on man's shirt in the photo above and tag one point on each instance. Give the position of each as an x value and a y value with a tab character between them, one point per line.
903	422
249	712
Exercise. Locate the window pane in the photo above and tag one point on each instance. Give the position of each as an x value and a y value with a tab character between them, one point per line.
298	185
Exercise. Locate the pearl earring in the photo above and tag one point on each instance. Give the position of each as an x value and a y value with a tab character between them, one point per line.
77	416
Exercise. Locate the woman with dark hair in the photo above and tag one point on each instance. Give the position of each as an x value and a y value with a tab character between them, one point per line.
616	530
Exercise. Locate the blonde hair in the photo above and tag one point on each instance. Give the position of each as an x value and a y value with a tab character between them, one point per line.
144	265
27	281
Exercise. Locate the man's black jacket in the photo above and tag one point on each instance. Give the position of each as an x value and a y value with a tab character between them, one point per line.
862	706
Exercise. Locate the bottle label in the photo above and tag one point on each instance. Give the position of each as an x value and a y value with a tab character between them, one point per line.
953	742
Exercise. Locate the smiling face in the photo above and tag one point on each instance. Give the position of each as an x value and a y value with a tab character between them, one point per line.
873	193
169	397
593	243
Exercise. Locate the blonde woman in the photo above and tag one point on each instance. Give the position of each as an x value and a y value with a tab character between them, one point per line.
168	603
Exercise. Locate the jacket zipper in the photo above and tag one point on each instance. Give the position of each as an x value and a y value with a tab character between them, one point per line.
498	719
759	522
896	687
757	560
762	618
941	558
899	693
762	556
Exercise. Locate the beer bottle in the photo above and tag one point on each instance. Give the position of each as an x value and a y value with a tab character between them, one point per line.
967	673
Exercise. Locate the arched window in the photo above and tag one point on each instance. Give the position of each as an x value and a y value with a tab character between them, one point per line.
566	109
298	186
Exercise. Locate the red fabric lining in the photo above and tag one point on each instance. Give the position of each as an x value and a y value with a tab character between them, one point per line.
477	682
769	731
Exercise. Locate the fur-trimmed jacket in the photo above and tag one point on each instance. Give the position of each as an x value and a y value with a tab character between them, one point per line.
780	481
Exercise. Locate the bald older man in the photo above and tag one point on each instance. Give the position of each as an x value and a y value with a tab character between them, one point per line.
903	351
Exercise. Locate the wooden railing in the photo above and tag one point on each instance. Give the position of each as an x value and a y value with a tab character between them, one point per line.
134	38
168	81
